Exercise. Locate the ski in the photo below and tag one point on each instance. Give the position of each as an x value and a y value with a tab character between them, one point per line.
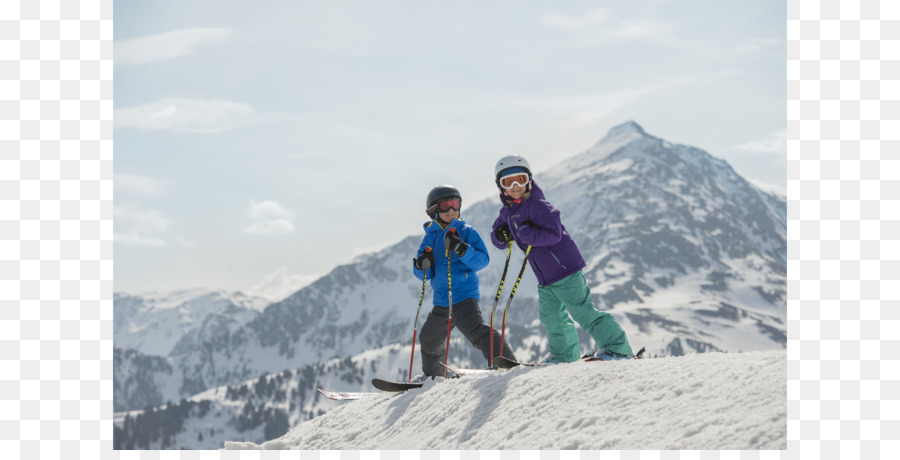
462	372
345	396
385	385
506	363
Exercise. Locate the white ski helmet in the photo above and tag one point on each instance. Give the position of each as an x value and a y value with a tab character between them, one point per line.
510	161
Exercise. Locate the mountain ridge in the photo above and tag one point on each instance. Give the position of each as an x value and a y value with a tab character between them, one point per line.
686	254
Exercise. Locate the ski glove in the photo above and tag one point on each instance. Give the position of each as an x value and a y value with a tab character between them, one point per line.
425	259
502	234
455	243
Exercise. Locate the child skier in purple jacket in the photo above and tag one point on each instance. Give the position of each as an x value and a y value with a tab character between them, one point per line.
530	220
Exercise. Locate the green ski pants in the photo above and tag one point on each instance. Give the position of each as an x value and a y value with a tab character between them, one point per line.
571	296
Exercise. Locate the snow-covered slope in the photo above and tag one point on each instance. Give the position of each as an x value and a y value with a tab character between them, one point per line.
713	401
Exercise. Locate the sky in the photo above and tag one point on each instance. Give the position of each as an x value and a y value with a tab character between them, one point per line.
257	149
708	401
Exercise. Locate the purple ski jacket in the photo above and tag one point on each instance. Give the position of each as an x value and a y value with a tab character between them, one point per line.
534	221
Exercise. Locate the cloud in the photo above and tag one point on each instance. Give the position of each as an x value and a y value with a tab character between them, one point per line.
131	216
594	28
132	184
136	226
590	109
773	144
151	48
648	29
575	22
268	209
757	45
133	239
184	115
272	219
271	227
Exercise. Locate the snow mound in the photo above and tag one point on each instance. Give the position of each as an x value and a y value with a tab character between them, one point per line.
707	401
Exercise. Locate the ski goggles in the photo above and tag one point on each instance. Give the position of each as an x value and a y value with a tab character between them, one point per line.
519	178
448	204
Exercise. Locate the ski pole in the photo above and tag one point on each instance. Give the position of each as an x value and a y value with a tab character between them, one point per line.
450	299
416	323
496	300
513	293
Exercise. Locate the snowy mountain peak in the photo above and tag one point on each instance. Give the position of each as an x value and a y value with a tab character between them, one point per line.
629	127
616	138
619	136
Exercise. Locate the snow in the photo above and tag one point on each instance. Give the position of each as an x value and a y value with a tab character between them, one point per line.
707	401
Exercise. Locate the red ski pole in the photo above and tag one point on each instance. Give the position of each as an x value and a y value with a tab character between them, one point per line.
416	323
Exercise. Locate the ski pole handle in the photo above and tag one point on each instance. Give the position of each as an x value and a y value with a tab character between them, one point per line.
446	242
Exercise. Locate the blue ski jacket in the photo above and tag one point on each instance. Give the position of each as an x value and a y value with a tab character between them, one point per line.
462	269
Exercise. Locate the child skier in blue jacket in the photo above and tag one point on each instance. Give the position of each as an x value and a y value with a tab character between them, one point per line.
467	254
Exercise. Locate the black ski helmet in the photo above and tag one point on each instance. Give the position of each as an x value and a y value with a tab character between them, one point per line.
435	195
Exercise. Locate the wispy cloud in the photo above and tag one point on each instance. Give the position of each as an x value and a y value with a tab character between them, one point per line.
589	109
773	144
576	22
184	115
272	219
133	184
137	226
147	219
271	227
595	28
168	45
133	239
758	45
645	29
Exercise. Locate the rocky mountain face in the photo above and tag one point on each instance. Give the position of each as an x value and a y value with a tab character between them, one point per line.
152	330
163	324
686	254
690	253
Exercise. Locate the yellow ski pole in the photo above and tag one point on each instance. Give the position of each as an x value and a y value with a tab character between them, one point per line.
512	294
497	300
416	323
450	299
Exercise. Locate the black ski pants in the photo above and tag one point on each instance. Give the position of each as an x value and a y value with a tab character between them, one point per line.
468	319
